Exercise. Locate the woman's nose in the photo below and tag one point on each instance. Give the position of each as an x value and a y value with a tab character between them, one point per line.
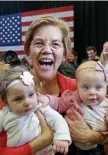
46	49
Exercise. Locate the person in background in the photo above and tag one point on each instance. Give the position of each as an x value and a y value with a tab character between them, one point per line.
92	53
72	59
104	61
47	43
104	58
104	55
18	118
11	57
26	63
67	69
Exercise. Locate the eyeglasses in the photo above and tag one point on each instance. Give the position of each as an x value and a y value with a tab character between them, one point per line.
54	44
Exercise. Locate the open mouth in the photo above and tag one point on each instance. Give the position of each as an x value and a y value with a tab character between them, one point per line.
46	62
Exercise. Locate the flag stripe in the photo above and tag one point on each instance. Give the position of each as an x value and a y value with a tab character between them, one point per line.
51	10
66	19
71	29
58	15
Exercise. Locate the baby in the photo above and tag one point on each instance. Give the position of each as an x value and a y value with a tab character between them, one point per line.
17	117
89	99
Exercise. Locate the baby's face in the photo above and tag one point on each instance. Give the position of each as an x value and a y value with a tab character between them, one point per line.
21	99
91	87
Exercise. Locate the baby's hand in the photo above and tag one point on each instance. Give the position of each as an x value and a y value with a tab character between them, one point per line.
44	99
78	108
60	146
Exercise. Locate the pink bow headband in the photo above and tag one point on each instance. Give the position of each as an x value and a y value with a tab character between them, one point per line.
99	67
26	77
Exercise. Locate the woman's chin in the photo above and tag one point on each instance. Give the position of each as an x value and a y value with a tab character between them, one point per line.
47	76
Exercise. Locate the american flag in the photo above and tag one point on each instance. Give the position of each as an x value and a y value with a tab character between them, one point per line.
13	27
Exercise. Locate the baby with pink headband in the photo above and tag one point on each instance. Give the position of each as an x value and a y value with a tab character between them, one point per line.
89	99
17	117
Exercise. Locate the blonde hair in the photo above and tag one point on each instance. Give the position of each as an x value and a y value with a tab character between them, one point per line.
3	66
90	66
10	75
102	58
48	20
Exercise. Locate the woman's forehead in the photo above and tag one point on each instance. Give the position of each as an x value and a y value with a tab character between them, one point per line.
48	31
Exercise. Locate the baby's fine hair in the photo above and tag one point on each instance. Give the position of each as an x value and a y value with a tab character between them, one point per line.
9	75
90	66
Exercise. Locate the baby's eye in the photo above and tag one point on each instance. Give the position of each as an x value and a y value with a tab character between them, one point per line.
31	94
85	87
98	87
18	99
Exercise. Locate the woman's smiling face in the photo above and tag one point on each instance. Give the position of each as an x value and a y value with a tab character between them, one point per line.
47	51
